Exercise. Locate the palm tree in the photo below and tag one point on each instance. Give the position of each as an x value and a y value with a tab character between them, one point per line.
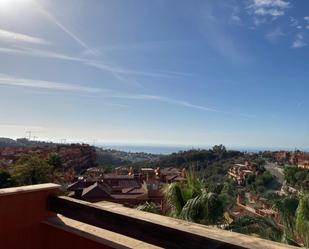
205	208
302	218
287	210
264	227
190	201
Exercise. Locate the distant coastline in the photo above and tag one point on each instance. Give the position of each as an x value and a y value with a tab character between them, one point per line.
169	149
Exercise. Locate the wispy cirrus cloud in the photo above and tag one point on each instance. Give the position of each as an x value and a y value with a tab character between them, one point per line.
15	81
6	35
117	71
167	100
273	8
213	27
299	41
181	103
274	35
56	22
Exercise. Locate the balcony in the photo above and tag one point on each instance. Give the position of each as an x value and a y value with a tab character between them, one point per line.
34	217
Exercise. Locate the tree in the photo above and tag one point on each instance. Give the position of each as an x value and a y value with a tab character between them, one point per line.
219	150
5	179
260	183
55	161
31	170
289	175
190	201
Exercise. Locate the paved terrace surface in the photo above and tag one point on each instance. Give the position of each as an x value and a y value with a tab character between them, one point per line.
35	217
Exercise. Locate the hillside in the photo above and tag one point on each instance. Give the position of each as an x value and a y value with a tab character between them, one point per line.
22	142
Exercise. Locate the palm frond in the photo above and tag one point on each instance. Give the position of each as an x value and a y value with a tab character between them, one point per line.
174	198
149	207
302	218
205	209
264	227
287	210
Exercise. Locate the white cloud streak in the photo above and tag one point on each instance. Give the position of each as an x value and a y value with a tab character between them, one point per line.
10	36
53	20
14	81
181	103
117	71
167	100
8	80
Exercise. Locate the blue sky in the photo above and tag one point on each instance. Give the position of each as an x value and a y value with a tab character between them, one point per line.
156	72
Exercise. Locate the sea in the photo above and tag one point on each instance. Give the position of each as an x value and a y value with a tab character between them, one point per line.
169	149
152	149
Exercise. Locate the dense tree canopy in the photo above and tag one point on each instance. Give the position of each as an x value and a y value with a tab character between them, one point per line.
55	161
32	170
297	177
260	183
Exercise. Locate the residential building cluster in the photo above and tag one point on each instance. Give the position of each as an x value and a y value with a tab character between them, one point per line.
248	204
125	185
239	172
298	158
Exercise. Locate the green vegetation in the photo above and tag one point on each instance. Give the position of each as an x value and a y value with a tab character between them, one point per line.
286	207
55	161
302	218
110	161
264	227
297	177
260	183
228	194
149	207
6	180
32	170
190	201
201	158
294	215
